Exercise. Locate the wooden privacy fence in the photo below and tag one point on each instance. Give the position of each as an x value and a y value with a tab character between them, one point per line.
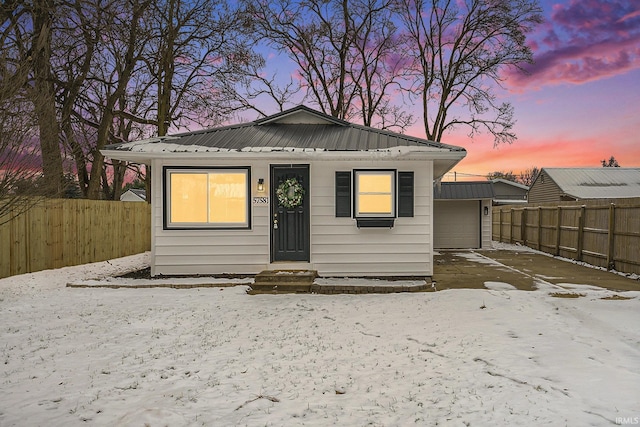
62	232
600	233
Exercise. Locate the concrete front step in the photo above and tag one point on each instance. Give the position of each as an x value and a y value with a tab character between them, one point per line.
286	276
285	281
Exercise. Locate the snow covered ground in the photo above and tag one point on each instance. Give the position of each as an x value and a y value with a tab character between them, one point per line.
220	357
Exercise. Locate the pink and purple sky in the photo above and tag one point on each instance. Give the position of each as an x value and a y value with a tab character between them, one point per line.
579	102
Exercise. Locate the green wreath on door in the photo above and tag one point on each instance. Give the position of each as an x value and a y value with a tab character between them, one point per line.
290	193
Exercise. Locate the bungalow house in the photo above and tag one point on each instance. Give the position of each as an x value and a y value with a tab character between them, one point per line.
570	184
295	190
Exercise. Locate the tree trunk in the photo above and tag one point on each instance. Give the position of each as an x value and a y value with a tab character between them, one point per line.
43	96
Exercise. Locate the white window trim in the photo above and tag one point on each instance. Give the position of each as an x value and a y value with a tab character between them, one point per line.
169	225
394	192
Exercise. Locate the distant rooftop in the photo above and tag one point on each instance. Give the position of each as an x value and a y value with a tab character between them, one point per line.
466	190
596	183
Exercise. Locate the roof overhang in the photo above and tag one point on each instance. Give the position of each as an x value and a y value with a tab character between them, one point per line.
443	161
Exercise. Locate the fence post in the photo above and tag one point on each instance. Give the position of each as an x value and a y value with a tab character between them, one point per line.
500	226
523	226
539	227
558	229
511	228
611	261
580	233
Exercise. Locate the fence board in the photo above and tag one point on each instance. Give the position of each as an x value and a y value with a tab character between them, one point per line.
62	232
600	233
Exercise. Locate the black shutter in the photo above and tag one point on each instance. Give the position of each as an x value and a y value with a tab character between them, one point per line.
343	194
405	194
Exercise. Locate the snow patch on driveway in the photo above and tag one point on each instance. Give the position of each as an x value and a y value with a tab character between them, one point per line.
499	286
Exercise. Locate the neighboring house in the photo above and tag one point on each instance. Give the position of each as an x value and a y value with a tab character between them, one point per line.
509	192
462	215
134	195
568	184
296	190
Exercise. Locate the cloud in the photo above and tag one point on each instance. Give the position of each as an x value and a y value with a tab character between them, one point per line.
583	41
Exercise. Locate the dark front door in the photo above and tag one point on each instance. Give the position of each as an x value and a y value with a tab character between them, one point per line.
289	224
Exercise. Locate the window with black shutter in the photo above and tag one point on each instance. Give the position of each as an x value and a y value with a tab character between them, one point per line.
374	197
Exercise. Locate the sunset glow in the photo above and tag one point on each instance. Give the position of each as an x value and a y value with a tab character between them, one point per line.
579	103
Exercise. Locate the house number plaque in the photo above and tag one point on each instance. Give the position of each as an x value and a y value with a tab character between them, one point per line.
260	200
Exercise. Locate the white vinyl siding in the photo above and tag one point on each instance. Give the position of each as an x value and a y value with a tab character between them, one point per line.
337	246
210	251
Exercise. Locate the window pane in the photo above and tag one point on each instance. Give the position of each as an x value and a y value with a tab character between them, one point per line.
228	197
375	193
188	197
375	204
378	183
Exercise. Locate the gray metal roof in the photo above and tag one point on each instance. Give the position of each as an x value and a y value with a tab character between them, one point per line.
597	183
139	192
511	183
463	190
297	128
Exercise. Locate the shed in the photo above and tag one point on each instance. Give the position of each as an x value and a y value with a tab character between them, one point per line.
509	192
134	195
569	184
295	190
462	215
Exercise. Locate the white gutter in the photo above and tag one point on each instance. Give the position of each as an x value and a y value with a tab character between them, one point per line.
392	153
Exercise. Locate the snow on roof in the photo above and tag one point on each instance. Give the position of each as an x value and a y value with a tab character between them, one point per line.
597	183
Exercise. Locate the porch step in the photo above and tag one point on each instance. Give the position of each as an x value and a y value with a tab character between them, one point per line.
284	281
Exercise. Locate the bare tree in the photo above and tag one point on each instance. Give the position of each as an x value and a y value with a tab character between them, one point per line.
18	146
197	51
85	73
77	40
19	157
378	68
256	85
42	92
525	177
507	175
30	159
529	176
459	49
610	163
344	51
26	39
125	44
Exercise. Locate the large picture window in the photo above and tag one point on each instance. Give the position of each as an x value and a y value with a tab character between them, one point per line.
207	198
375	193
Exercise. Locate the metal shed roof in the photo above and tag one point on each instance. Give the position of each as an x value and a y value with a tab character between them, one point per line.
463	190
597	183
